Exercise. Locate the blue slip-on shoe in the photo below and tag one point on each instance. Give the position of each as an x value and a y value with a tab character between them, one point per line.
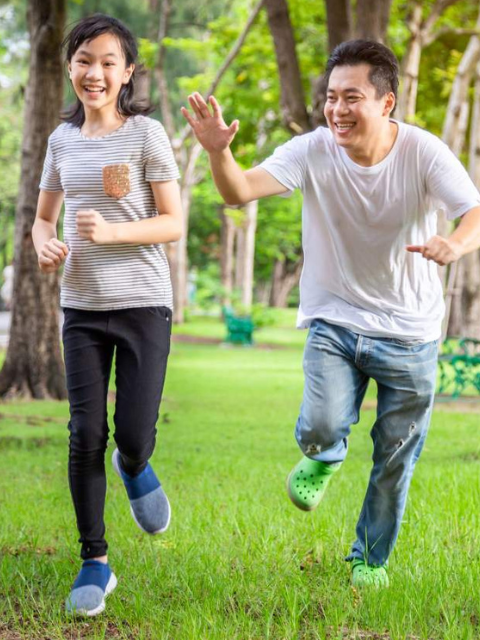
94	582
148	502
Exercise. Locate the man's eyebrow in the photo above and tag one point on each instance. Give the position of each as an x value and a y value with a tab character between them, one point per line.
349	90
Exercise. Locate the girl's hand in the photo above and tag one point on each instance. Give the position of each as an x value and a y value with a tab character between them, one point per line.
51	255
92	226
209	128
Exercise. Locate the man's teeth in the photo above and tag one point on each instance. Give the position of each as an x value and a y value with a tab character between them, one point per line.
345	126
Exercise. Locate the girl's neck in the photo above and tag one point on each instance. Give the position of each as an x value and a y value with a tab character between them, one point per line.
98	124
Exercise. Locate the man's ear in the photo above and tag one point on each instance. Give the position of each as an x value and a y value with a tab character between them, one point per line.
389	103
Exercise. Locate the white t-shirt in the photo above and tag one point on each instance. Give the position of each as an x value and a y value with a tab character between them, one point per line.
111	174
356	223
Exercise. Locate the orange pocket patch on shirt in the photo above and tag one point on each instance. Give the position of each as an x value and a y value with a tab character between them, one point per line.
116	180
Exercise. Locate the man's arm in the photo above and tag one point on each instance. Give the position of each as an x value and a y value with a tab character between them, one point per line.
464	239
166	227
51	252
234	185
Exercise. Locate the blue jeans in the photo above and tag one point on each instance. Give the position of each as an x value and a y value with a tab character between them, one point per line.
338	364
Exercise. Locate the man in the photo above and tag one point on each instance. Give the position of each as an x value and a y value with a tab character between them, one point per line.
369	291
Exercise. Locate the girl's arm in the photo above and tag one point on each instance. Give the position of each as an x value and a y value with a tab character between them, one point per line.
166	227
51	252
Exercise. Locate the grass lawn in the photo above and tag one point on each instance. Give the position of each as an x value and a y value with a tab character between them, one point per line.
238	561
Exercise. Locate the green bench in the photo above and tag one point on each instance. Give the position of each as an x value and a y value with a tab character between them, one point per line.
459	366
239	328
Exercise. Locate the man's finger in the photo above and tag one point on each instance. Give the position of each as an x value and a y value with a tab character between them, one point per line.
188	117
217	110
415	248
202	105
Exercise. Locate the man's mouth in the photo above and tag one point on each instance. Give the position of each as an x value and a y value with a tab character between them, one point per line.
344	126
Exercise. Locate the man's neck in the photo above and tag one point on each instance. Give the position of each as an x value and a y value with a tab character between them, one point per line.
379	148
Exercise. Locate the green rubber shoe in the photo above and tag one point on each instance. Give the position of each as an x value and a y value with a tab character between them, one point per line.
364	575
308	481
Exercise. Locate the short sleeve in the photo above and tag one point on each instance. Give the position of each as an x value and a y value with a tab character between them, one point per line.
158	156
287	164
447	180
50	180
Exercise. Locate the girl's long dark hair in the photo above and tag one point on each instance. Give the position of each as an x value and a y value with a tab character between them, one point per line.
88	29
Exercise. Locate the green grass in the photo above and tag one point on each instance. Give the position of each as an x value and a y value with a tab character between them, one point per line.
239	561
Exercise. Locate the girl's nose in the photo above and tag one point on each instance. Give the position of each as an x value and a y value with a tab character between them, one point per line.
94	71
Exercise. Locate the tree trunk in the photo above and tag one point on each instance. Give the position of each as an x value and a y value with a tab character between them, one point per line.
187	157
245	253
462	284
465	315
339	22
251	211
227	240
459	93
285	277
372	19
372	22
407	100
295	116
33	365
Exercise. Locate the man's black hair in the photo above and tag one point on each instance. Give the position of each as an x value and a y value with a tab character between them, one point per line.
383	74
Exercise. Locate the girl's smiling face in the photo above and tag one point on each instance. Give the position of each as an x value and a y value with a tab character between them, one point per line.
98	72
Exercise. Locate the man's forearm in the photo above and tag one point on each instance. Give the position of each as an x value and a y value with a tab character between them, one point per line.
467	234
229	178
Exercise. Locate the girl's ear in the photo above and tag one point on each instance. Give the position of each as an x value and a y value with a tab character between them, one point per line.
69	67
128	74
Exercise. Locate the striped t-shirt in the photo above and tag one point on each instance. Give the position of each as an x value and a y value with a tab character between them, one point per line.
112	175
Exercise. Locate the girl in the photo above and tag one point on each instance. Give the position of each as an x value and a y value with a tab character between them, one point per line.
115	168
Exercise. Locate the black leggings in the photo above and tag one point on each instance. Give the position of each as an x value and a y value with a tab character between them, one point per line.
140	339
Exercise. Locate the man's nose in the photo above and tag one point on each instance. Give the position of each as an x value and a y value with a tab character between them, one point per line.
341	107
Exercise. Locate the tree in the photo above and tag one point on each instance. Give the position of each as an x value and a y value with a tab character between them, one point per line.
33	366
187	151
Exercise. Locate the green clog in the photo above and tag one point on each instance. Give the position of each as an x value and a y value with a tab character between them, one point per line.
364	575
308	481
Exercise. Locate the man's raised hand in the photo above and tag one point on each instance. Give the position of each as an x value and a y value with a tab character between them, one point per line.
208	126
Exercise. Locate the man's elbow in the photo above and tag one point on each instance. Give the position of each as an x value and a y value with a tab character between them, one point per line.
236	201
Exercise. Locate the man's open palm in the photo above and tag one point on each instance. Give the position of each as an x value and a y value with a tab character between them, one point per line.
209	126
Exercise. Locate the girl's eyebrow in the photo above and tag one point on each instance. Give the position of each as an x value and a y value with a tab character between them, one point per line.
83	52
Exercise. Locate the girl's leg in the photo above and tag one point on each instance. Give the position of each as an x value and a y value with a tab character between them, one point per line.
88	356
143	343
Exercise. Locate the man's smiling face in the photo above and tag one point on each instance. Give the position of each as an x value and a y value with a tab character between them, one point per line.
355	114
